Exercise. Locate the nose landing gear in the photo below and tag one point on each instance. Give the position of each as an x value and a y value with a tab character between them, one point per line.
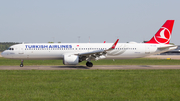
21	65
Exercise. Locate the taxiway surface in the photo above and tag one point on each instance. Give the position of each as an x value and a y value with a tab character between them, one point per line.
99	67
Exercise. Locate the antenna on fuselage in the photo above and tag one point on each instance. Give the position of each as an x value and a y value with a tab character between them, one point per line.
79	39
89	39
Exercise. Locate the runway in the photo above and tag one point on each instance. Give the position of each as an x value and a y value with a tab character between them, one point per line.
98	67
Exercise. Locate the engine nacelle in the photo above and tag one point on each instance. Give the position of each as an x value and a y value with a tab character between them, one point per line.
70	59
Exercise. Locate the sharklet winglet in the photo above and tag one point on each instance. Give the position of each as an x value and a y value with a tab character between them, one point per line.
114	45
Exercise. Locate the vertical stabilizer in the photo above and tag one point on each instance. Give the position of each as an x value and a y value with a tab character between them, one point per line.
164	33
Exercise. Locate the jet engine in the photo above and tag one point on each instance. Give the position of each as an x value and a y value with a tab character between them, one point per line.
71	60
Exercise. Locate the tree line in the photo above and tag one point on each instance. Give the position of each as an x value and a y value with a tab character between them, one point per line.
6	45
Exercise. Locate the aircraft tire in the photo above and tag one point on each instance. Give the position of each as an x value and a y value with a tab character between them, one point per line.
89	64
21	65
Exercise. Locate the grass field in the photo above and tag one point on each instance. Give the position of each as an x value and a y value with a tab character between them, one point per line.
140	61
90	85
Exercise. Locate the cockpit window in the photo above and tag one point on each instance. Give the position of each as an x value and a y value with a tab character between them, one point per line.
10	49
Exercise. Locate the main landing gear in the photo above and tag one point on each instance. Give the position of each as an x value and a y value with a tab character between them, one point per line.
21	65
89	64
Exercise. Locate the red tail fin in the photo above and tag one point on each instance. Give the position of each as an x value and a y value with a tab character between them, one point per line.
164	33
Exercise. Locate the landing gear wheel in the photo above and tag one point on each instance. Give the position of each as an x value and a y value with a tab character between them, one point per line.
89	64
21	65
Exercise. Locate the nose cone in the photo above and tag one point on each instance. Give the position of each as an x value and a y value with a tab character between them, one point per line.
2	54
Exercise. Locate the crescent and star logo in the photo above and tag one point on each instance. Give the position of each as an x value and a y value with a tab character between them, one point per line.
163	35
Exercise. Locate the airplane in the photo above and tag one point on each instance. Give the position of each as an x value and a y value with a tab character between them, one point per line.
74	53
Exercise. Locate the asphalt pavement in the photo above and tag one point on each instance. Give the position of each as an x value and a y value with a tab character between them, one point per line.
97	67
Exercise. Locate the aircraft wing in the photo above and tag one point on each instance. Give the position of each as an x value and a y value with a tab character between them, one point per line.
96	53
91	53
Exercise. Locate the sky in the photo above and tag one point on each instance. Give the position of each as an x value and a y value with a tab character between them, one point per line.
84	21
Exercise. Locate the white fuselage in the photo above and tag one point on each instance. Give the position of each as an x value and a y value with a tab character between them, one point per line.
58	50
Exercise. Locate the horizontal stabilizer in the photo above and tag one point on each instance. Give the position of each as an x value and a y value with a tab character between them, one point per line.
164	47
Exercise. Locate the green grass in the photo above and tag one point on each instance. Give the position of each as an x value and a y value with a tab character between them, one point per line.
90	85
140	61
